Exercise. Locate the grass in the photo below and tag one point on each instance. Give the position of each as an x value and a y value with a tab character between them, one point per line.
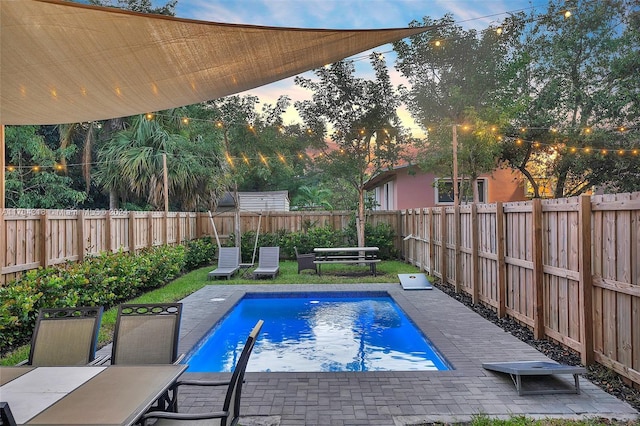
195	280
484	420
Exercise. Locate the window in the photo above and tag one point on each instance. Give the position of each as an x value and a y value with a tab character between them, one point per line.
444	191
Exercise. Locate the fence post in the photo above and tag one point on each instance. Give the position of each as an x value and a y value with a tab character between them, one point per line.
586	282
165	228
502	267
3	241
150	229
199	225
475	287
538	296
432	254
443	238
44	239
457	282
178	229
107	232
132	232
82	243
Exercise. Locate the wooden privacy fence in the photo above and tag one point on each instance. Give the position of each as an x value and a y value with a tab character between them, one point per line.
567	268
32	238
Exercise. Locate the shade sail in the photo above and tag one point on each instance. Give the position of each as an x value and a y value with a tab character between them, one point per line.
66	62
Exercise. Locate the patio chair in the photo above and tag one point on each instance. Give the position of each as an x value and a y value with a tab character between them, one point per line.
147	333
228	263
305	261
65	337
268	262
230	413
6	417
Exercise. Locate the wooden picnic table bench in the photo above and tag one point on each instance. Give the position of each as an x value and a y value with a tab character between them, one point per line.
347	255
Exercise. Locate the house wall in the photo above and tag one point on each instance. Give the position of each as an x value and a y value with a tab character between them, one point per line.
411	191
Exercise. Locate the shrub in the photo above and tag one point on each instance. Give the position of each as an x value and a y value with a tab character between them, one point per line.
200	252
103	280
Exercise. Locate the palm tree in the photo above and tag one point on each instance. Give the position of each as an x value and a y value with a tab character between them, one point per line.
131	164
313	198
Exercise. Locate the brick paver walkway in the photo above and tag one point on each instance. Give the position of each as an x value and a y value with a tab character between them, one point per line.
393	398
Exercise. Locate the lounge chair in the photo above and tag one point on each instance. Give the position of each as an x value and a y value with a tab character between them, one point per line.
65	337
230	413
268	262
305	261
228	263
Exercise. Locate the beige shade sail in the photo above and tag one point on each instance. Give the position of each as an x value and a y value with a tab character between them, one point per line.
65	62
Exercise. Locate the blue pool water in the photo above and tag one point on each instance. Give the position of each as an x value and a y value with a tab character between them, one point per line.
317	332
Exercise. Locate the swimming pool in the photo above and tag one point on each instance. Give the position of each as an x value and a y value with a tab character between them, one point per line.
315	332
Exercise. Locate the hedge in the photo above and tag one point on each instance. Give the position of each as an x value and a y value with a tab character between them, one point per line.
104	280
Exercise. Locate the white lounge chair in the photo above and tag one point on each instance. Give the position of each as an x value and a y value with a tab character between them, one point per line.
228	263
268	262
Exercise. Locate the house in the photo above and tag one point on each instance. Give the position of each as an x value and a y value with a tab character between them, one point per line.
408	187
255	201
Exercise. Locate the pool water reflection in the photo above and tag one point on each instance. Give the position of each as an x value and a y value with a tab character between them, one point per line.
313	332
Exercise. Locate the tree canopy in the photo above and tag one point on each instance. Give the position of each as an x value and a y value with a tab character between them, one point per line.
360	119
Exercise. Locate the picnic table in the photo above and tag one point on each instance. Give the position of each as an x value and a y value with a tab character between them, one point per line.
347	255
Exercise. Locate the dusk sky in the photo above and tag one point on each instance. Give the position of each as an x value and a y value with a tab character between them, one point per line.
347	14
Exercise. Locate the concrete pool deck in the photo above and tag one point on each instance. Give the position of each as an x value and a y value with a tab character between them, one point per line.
393	398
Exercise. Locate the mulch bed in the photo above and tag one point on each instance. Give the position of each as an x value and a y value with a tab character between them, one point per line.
601	376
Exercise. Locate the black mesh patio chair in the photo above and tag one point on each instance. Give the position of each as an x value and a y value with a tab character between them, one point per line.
6	418
147	333
65	337
305	261
230	413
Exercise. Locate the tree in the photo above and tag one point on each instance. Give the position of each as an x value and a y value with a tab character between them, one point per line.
103	132
261	153
35	177
313	198
367	135
575	90
455	77
131	165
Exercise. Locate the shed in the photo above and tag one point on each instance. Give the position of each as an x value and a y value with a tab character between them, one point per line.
256	201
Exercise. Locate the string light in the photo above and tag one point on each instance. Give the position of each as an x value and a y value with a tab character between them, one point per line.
630	152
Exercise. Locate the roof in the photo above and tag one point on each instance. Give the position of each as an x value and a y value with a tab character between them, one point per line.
384	176
65	62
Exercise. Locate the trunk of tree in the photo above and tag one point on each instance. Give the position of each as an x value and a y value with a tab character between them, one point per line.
113	200
476	194
360	220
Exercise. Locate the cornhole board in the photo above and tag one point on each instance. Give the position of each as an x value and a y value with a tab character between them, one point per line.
414	282
518	369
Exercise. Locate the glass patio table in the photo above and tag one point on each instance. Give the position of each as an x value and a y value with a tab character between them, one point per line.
86	395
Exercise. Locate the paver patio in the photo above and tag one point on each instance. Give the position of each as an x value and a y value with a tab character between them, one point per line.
393	398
